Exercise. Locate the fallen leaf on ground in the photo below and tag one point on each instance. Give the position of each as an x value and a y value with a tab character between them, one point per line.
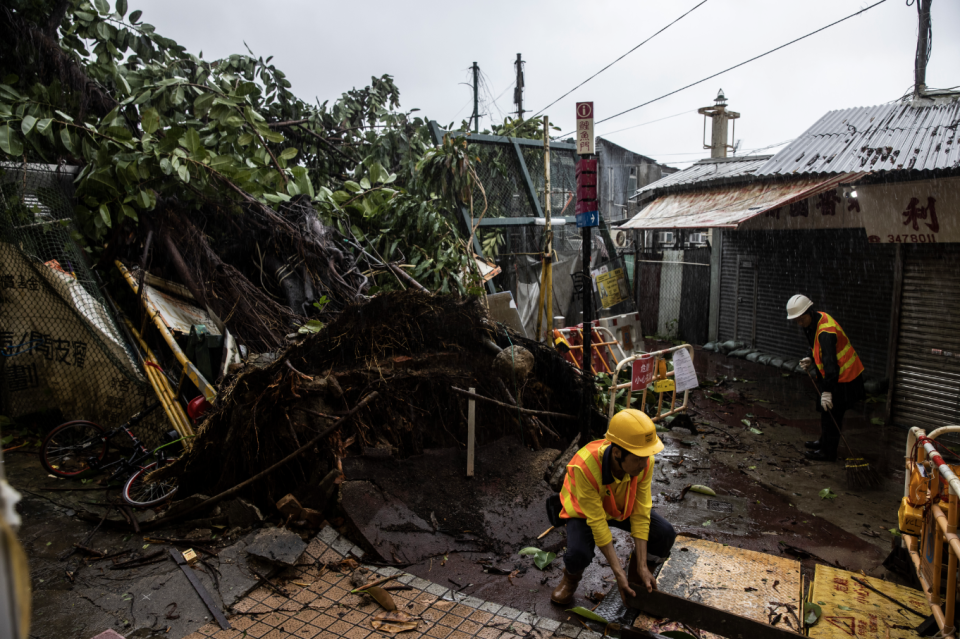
812	613
383	598
703	490
756	431
745	422
588	614
826	493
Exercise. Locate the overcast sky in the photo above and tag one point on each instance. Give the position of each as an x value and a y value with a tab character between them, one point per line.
327	47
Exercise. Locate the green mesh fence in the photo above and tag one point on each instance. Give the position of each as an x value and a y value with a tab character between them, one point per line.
61	347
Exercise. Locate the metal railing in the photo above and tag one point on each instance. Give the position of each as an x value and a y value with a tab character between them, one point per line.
926	549
657	356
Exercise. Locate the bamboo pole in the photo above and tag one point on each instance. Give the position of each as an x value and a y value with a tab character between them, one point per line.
548	228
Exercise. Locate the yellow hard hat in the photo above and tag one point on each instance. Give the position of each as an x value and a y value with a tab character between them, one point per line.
633	431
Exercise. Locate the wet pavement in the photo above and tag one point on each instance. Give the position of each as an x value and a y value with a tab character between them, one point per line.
468	532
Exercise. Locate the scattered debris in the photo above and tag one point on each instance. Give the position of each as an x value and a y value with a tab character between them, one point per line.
277	545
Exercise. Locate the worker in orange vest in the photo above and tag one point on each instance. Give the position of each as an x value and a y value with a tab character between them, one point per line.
608	485
839	373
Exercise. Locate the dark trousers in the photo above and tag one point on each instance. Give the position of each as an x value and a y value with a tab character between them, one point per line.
830	425
580	542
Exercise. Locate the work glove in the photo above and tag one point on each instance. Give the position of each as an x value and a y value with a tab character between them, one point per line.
826	400
806	363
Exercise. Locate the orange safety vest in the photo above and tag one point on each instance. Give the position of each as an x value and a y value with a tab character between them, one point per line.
588	459
847	359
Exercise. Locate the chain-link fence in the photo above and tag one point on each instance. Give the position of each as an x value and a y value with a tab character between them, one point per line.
61	349
673	293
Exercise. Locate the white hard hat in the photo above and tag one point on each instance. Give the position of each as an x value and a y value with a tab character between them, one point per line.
797	306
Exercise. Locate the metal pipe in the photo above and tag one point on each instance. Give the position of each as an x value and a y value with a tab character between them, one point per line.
161	386
209	392
931	451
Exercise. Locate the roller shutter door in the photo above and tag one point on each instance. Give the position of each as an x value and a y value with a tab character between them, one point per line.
927	379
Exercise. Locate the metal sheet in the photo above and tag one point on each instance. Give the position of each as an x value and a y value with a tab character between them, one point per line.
728	207
927	380
891	137
706	172
850	610
178	315
857	293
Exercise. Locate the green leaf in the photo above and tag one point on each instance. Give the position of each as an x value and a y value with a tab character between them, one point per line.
44	124
102	6
105	215
288	154
191	141
588	614
813	613
150	120
826	493
135	16
27	124
756	431
703	490
745	422
543	559
895	532
708	522
130	212
10	141
847	608
312	326
184	174
122	7
876	421
529	550
352	186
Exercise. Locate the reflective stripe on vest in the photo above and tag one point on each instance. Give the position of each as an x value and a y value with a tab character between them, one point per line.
847	359
588	459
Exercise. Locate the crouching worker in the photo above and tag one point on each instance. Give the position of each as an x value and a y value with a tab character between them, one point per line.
608	484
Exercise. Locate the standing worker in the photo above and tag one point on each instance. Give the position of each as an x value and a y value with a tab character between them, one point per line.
608	484
839	373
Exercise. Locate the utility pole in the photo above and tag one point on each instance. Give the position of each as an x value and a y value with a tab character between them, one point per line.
518	90
476	104
924	36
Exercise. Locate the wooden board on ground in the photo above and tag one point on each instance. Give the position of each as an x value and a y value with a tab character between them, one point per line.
747	583
850	610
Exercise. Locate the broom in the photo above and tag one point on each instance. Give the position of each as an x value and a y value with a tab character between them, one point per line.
859	471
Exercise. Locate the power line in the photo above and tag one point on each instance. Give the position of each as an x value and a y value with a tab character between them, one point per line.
620	58
710	77
650	122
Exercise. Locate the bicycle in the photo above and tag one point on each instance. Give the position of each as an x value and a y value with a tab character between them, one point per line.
79	446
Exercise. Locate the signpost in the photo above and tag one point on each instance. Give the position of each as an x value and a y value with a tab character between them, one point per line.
588	216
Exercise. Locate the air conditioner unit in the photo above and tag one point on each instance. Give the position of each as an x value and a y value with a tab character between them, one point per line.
665	237
621	238
698	238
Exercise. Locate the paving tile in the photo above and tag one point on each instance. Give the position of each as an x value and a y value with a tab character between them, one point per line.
509	635
426	598
260	593
457	634
357	552
356	617
258	629
520	628
489	633
549	625
419	584
328	534
324	620
342	545
509	613
245	605
462	610
358	632
470	627
444	605
307	632
437	589
439	632
275	634
339	627
336	593
306	615
451	621
241	623
406	579
291	625
274	619
590	634
568	630
481	616
490	606
528	618
473	602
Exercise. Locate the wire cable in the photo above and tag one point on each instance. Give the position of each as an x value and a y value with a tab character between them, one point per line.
710	77
634	126
619	59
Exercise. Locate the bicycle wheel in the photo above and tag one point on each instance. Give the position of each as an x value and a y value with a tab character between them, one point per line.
137	492
69	448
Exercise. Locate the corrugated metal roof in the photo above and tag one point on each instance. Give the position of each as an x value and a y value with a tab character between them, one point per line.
890	137
708	171
729	206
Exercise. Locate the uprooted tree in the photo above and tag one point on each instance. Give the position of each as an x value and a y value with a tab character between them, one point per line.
269	209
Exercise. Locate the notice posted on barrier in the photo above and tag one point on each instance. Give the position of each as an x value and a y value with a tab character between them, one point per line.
642	372
683	372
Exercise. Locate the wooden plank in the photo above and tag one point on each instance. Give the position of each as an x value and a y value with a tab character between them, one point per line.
698	615
471	432
204	595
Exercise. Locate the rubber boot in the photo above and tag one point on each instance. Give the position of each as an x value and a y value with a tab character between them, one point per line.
563	593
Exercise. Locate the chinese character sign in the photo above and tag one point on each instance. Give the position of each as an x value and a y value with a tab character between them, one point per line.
920	212
584	134
643	370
